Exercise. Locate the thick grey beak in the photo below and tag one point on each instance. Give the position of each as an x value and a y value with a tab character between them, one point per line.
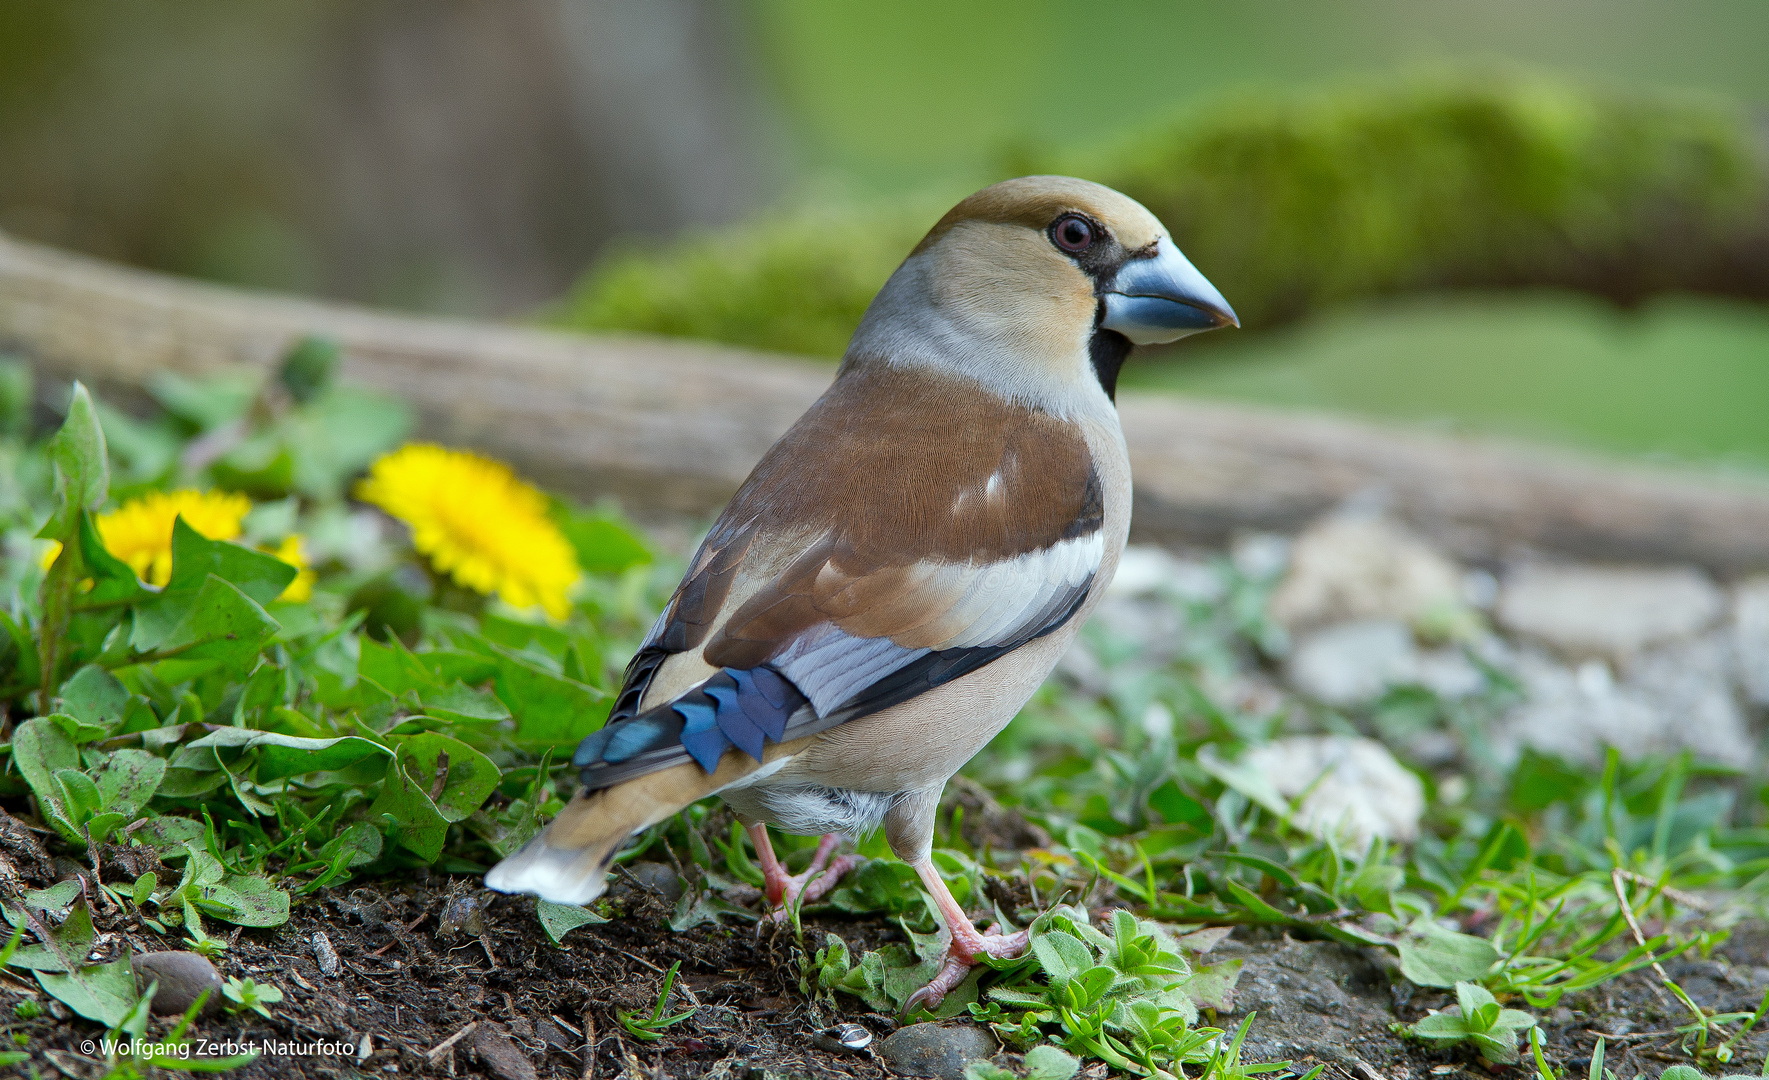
1163	298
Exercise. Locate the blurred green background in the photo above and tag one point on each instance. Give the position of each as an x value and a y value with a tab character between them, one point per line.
1542	220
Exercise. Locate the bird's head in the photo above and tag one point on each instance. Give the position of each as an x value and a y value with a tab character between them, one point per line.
1039	287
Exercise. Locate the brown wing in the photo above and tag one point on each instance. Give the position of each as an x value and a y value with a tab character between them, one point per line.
866	568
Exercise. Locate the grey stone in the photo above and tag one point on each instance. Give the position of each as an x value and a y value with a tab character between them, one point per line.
937	1050
1310	997
501	1057
463	915
1688	685
1356	567
658	878
181	977
1606	612
1352	663
1146	570
1261	555
325	955
1674	698
1355	789
1750	638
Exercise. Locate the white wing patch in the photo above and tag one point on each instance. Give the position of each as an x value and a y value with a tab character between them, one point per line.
970	606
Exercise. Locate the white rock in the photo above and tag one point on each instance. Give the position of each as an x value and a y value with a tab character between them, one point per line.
1750	638
1356	790
1363	567
1260	555
1689	686
1352	663
1146	570
1609	613
1674	698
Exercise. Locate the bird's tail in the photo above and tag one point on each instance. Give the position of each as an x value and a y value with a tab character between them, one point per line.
568	861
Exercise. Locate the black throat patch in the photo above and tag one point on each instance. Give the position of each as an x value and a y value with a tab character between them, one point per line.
1108	349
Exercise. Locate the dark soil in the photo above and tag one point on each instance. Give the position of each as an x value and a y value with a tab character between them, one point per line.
412	998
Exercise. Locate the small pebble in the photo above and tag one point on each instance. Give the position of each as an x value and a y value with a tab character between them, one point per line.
325	955
182	976
462	914
936	1050
843	1039
658	878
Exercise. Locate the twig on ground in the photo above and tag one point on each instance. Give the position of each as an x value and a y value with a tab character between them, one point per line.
399	935
1688	900
443	1047
589	1037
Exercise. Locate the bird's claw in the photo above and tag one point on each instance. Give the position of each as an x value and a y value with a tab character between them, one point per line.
960	958
814	884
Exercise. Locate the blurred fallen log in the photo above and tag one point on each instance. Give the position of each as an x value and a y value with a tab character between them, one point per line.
670	427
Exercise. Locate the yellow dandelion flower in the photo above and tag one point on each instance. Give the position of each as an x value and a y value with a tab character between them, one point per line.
140	531
50	553
476	522
291	552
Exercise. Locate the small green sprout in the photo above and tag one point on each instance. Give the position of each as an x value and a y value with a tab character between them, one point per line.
650	1028
1477	1018
246	994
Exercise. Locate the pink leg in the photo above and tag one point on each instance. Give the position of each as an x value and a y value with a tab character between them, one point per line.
968	943
818	879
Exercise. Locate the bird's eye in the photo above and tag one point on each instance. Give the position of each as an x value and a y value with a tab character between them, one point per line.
1072	232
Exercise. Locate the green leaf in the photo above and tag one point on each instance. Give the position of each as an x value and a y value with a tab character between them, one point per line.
550	709
167	834
1374	886
463	704
561	919
245	900
1062	956
82	469
1213	987
421	823
94	697
701	906
1499	1050
1433	956
104	992
361	840
195	558
55	898
128	779
279	756
469	776
1472	998
1046	1062
40	749
1440	1027
221	628
605	543
68	942
113	580
79	795
308	367
1254	903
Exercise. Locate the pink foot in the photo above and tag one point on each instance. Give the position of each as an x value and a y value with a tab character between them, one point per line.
968	944
785	891
960	961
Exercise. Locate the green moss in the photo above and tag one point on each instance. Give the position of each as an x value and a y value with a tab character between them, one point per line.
1289	203
1469	181
790	284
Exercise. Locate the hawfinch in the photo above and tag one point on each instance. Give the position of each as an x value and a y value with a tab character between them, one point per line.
906	564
